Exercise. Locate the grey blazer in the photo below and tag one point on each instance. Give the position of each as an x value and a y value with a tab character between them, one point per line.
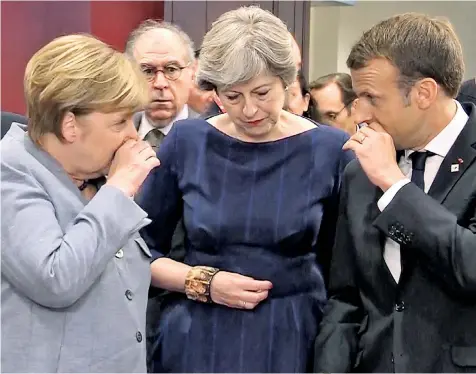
75	274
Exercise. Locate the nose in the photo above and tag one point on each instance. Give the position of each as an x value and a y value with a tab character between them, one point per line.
160	82
249	109
363	112
131	131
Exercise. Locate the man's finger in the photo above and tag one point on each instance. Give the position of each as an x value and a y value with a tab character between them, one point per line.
351	144
367	131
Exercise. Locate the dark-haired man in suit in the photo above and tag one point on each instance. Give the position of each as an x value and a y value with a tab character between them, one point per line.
402	293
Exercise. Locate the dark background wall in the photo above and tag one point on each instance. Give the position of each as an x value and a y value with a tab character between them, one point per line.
26	26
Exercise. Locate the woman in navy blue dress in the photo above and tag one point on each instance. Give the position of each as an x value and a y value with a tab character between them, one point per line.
258	190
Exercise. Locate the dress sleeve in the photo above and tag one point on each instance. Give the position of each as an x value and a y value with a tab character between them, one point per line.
327	231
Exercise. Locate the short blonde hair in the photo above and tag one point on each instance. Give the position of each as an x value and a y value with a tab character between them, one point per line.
242	44
79	74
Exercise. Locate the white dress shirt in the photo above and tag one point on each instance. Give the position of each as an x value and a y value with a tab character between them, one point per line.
440	146
145	126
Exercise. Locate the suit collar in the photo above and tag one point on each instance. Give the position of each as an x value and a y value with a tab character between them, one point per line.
136	118
185	113
460	156
441	144
463	148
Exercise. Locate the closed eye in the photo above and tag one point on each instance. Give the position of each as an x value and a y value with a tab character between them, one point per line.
119	125
369	97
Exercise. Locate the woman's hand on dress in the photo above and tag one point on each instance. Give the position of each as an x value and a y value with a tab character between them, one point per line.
132	163
238	291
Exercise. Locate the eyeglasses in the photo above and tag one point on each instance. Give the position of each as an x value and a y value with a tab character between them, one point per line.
331	116
171	72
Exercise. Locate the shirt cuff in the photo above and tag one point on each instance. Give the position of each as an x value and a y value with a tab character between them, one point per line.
388	196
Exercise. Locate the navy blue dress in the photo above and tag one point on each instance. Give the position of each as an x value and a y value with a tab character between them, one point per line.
264	210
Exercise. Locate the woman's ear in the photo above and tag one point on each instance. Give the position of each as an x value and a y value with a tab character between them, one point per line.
69	128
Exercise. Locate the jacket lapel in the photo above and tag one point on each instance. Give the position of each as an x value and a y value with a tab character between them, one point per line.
461	155
376	238
462	149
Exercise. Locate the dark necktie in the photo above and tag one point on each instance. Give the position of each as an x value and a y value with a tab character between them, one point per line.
418	167
154	138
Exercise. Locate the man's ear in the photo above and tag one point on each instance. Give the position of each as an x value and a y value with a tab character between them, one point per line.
353	107
307	99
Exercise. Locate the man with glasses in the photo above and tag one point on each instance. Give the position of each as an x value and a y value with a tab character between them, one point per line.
166	56
336	101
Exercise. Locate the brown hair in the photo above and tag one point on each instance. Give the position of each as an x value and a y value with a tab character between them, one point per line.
79	74
418	46
342	80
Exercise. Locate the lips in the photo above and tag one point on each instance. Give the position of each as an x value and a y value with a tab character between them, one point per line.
254	123
161	103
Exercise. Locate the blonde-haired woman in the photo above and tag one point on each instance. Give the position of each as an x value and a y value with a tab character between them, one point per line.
258	189
75	272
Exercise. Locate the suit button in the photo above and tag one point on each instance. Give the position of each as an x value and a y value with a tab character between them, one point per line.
120	253
138	336
129	294
400	307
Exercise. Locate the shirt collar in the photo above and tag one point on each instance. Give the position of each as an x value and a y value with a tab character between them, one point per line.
442	143
145	125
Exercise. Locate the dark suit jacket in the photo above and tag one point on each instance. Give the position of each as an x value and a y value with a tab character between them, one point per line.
426	323
467	93
212	111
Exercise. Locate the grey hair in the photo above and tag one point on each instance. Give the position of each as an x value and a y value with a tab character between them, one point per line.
152	24
242	44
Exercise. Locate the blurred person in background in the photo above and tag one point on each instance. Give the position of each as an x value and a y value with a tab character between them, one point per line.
299	100
336	101
200	100
467	92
